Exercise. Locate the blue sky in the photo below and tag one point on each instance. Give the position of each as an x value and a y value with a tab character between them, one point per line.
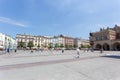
74	18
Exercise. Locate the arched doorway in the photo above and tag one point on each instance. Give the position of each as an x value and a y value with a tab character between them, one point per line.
116	46
98	46
106	46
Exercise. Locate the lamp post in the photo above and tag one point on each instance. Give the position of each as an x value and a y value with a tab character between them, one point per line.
101	50
92	43
91	40
111	45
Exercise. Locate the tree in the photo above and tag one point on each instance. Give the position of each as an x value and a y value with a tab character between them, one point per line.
88	46
82	46
56	45
21	44
85	46
45	45
75	46
50	45
30	44
66	46
70	46
61	45
38	46
9	45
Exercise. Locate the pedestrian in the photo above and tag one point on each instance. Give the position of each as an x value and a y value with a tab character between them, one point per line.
15	50
8	50
101	50
78	52
62	50
87	49
31	51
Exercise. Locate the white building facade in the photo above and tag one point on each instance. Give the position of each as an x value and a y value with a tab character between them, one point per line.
2	41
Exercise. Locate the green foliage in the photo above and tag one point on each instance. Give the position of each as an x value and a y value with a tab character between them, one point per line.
50	45
38	46
30	44
75	46
70	46
9	46
45	45
21	44
56	45
61	45
88	46
85	46
66	46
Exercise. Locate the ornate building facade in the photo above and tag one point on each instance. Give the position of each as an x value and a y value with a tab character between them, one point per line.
106	39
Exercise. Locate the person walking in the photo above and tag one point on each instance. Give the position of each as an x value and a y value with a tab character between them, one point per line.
15	50
62	50
78	52
8	50
101	50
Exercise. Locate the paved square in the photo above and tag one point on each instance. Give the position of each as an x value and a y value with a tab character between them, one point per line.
55	65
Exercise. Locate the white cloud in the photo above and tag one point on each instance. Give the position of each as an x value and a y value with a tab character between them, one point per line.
12	22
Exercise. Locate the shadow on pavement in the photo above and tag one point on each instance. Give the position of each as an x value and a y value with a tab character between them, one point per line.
112	56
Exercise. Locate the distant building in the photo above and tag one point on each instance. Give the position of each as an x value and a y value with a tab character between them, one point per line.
62	41
85	42
7	41
2	41
81	42
59	41
69	42
106	39
77	42
45	41
40	41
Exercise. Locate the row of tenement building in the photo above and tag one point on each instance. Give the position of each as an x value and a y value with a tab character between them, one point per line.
47	41
106	39
7	41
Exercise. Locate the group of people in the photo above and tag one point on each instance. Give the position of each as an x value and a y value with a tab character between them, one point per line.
8	50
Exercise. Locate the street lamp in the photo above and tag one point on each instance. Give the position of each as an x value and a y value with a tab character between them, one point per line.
92	43
111	45
91	40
